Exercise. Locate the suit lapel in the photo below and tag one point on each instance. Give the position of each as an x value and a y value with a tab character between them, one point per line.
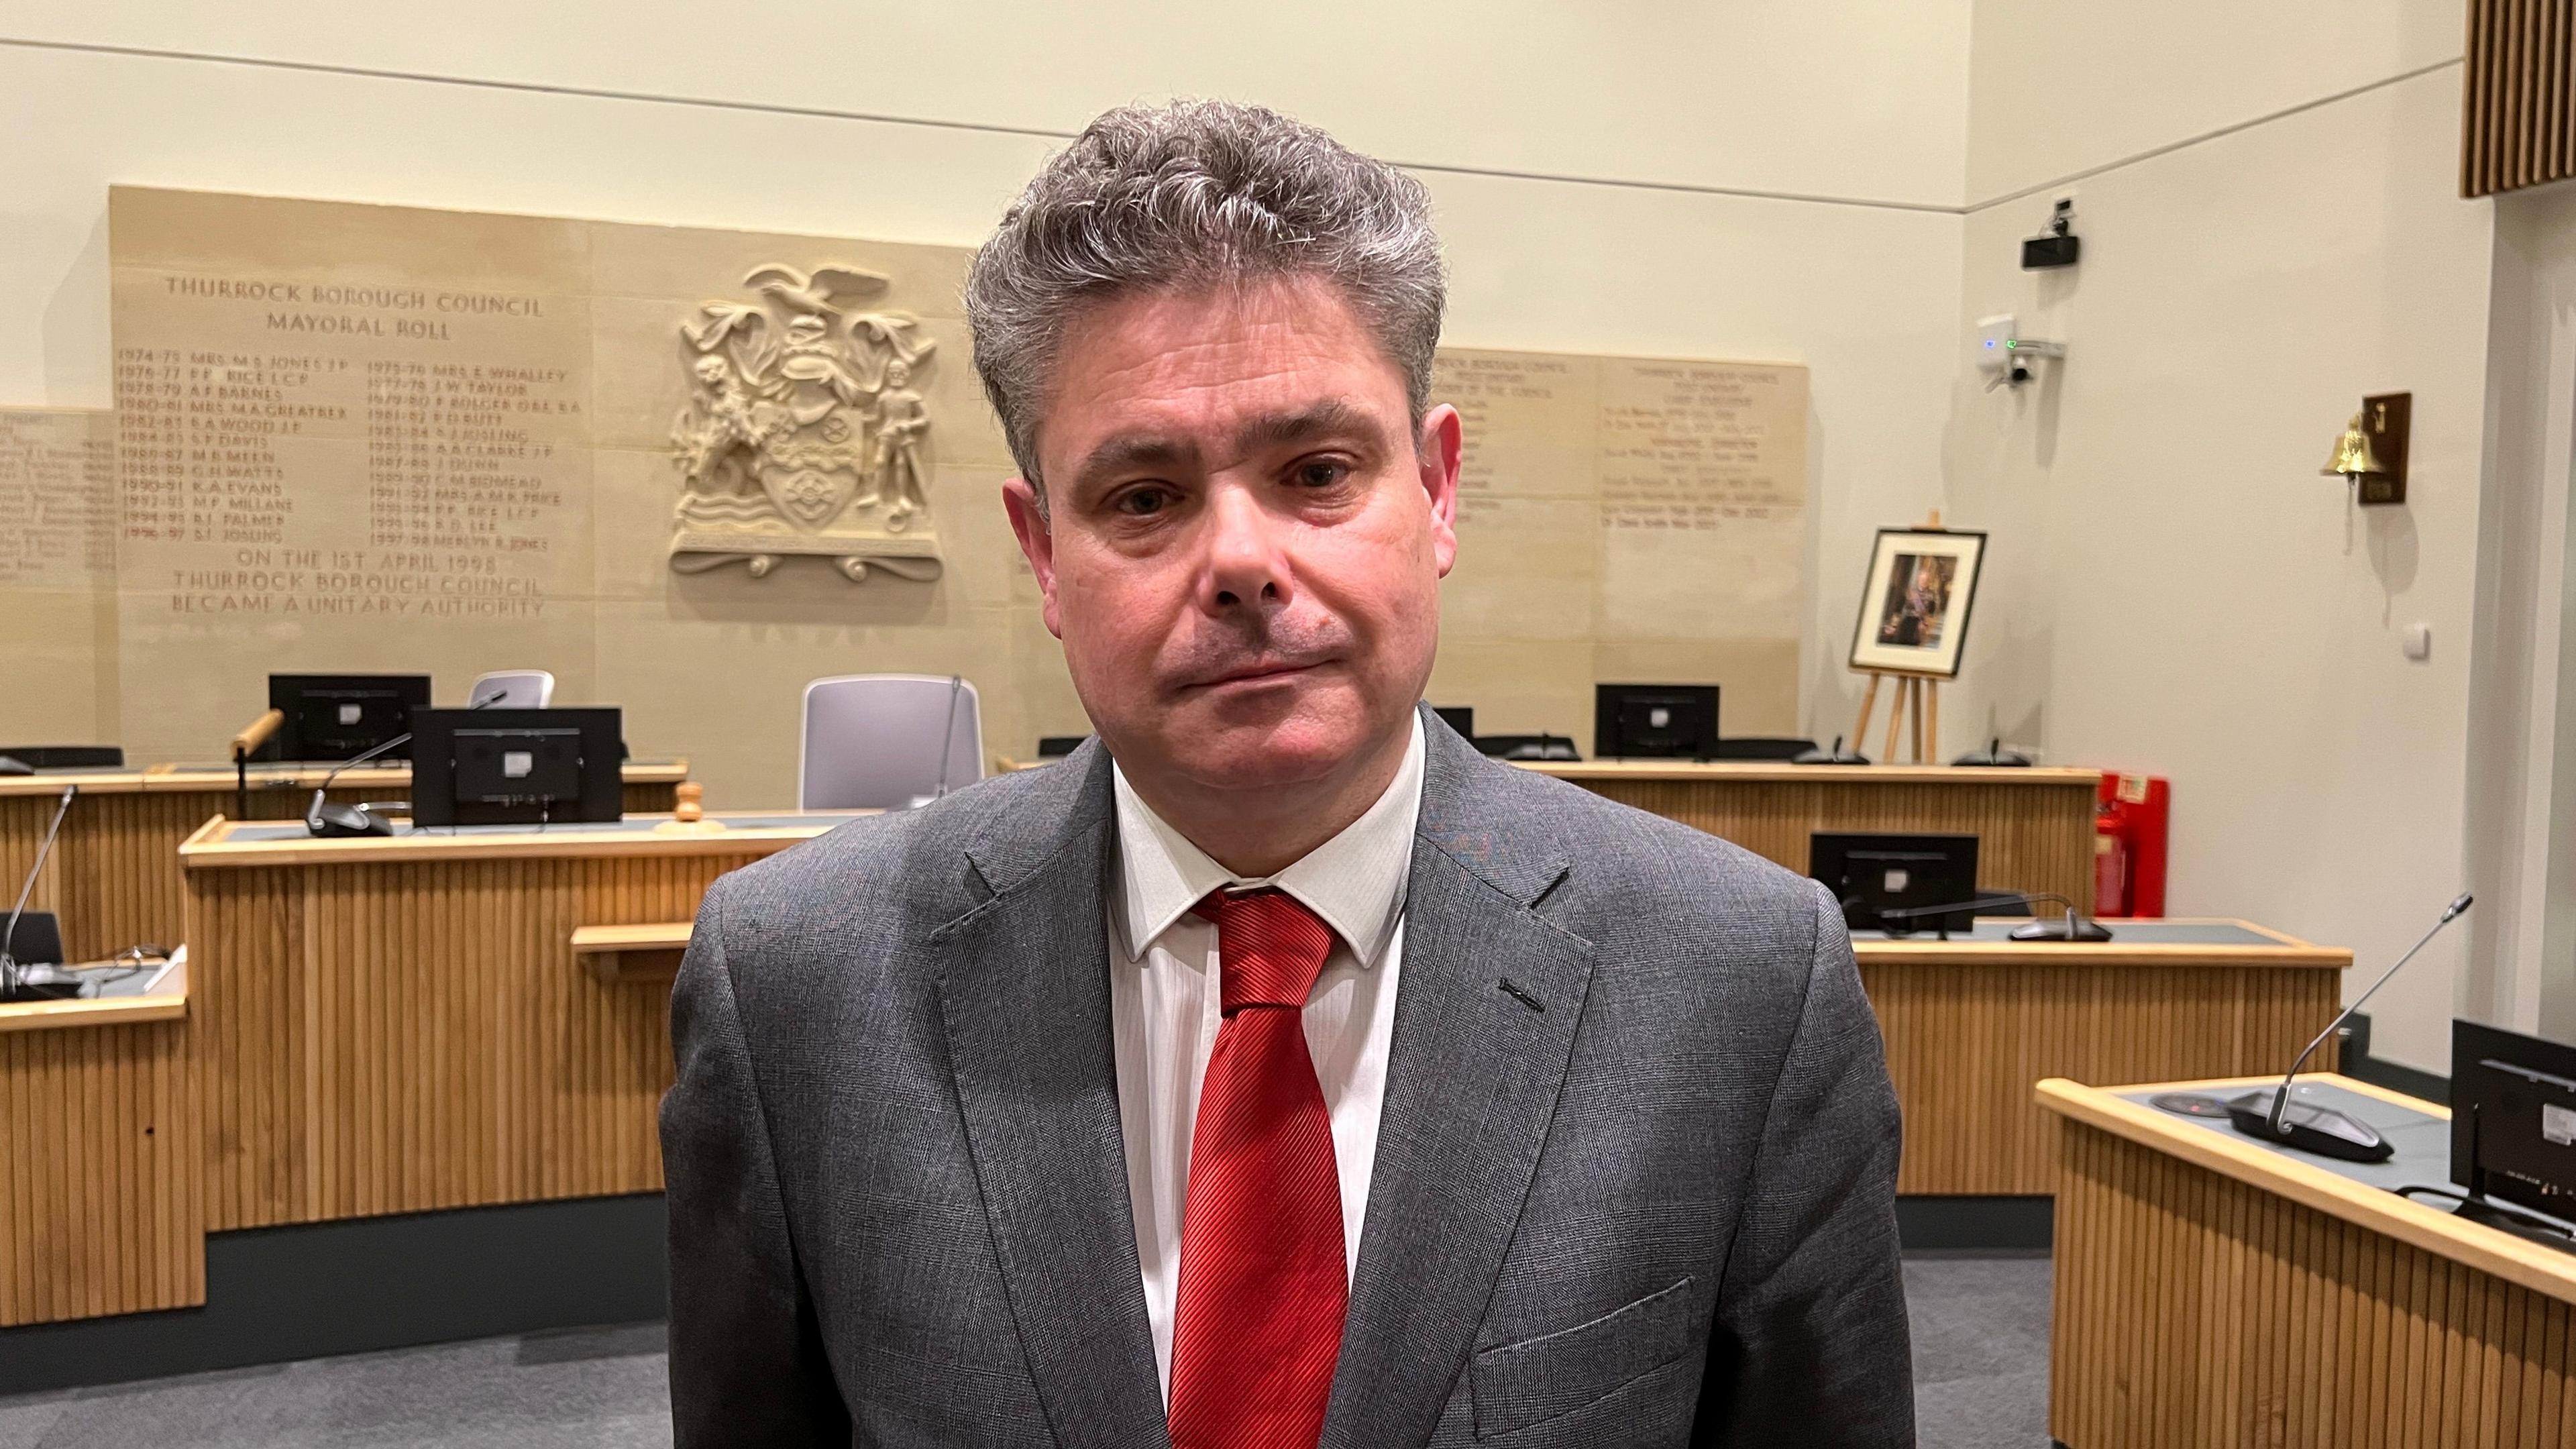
1485	1016
1025	1003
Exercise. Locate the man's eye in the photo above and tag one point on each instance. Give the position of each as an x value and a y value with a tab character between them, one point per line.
1143	502
1321	473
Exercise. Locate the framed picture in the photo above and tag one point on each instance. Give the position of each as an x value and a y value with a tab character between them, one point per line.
1914	608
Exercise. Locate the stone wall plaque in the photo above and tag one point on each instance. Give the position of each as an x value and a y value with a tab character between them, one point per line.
388	438
58	576
57	498
360	437
1625	519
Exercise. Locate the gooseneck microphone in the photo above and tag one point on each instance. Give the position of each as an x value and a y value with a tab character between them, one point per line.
2270	1114
10	972
343	822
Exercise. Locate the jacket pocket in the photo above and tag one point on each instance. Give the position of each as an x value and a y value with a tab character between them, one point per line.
1516	1385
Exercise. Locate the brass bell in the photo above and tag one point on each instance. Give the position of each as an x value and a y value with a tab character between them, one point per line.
2353	454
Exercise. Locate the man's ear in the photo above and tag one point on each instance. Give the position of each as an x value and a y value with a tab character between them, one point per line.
1437	451
1037	542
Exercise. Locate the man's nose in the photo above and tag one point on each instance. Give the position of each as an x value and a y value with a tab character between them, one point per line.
1247	562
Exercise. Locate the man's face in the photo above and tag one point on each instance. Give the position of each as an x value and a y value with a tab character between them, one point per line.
1247	534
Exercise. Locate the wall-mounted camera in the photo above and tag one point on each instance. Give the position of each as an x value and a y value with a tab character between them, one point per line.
2005	356
2058	246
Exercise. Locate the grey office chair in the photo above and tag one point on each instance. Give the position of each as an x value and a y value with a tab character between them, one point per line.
520	688
888	741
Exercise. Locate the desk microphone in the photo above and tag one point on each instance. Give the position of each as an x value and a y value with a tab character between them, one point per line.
346	822
14	978
2078	927
2272	1116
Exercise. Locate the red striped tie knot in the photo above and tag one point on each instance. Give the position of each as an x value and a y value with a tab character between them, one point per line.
1270	948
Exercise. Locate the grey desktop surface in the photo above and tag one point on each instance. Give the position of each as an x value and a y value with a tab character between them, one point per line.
2142	933
249	831
2423	1141
123	981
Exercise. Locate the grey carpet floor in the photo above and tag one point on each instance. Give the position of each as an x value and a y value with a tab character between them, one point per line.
1980	1373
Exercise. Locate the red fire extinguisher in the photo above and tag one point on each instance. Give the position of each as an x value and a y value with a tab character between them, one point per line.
2132	816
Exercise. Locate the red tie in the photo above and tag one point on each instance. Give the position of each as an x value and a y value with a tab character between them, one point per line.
1258	1325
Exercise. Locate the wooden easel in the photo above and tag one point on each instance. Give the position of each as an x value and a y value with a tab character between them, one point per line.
1920	691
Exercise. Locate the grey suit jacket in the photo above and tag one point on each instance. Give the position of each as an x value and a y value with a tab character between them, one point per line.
1635	1178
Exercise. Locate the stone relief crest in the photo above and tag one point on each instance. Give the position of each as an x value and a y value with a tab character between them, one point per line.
804	432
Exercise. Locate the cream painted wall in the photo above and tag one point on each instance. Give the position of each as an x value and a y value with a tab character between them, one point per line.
2060	86
1714	103
1681	91
2176	590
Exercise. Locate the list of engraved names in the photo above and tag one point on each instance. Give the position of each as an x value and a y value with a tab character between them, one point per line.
1694	445
1656	444
57	507
294	446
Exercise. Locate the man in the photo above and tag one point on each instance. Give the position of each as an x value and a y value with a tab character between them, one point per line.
1275	1070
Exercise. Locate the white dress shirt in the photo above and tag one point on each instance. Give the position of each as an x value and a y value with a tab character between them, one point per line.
1165	1006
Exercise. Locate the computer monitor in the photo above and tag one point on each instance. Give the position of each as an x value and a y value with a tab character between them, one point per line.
2513	1118
1870	873
1654	721
38	941
342	716
516	766
1459	717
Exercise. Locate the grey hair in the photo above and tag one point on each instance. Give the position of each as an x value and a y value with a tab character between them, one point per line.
1188	195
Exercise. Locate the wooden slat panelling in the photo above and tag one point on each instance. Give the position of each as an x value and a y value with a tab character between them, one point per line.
2192	1309
2517	112
115	875
2032	837
401	1037
1966	1043
100	1156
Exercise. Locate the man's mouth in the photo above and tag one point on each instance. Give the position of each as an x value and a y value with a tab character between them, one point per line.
1255	673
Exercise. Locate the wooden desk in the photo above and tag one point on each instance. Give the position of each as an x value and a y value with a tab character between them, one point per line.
115	876
2035	826
400	1024
100	1158
1972	1023
2212	1290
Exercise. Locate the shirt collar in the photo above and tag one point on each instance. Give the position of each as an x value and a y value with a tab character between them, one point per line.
1355	881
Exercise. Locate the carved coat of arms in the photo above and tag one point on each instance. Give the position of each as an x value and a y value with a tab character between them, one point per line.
805	431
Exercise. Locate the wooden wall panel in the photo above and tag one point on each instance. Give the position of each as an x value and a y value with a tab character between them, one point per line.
404	1037
2032	837
2518	95
1965	1044
101	1211
114	875
2195	1310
